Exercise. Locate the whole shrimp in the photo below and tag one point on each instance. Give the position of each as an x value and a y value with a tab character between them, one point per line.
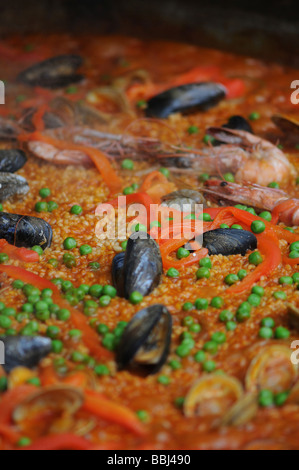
282	206
249	157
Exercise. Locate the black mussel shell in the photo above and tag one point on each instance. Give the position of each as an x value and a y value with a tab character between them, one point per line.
238	123
9	130
12	185
118	273
57	72
12	160
25	231
229	241
177	162
26	351
185	98
142	265
145	343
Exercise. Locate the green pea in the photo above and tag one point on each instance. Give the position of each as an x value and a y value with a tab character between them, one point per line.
203	273
188	321
237	227
183	350
41	207
266	215
200	356
110	290
85	250
101	370
164	380
96	290
196	328
204	177
279	295
201	304
53	262
127	164
242	274
53	331
286	280
193	130
172	272
211	347
268	322
226	315
294	246
266	398
109	341
136	298
231	326
255	258
217	302
165	172
45	192
224	226
274	185
258	226
182	253
188	306
127	191
209	366
66	285
254	116
64	314
75	334
5	322
266	333
27	308
229	177
294	254
3	258
154	224
76	210
3	384
57	346
175	365
219	337
69	243
258	290
282	333
254	300
281	398
77	357
241	207
231	279
94	266
296	278
205	217
18	284
9	312
205	263
24	442
208	139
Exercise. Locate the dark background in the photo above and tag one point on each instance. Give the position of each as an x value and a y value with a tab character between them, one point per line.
262	29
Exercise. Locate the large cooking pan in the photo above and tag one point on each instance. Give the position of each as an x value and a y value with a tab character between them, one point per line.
257	28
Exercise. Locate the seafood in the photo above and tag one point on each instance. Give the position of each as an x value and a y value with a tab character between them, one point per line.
25	351
12	185
25	231
243	411
238	123
184	200
228	241
271	369
293	316
9	130
59	401
185	98
288	124
145	344
212	395
142	266
56	72
118	273
256	196
12	160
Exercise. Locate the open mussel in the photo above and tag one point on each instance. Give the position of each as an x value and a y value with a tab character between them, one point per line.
184	200
212	395
25	231
229	241
12	185
141	267
271	369
56	72
185	99
12	160
145	344
239	123
26	351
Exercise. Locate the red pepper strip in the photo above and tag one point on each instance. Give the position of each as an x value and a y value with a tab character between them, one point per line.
112	412
37	118
137	198
235	87
248	218
282	207
20	254
8	433
11	399
173	245
99	158
290	261
268	244
60	442
89	336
